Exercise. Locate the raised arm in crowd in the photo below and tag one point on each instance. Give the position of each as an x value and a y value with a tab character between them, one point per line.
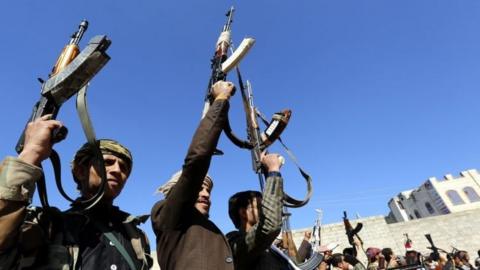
37	238
258	218
186	237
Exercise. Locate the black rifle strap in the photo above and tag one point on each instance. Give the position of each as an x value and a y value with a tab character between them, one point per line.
42	192
116	243
55	159
42	187
288	200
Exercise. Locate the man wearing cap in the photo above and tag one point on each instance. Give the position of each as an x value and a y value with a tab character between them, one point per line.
103	237
186	238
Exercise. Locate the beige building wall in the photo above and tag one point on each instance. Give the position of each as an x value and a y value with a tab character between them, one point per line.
468	178
460	230
438	197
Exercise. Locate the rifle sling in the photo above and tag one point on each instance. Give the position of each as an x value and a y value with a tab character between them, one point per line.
288	200
234	138
116	243
95	145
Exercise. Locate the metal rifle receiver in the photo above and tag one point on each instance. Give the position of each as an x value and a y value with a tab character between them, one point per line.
72	72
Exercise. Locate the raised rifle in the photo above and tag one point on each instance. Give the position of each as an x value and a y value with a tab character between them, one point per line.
351	232
221	62
293	257
71	73
317	230
435	250
257	140
287	237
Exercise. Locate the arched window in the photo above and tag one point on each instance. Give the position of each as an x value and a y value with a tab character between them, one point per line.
454	197
471	194
417	214
429	208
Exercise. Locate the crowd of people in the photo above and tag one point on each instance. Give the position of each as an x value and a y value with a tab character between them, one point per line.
105	237
358	257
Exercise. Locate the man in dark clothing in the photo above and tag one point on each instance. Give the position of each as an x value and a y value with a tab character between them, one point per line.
37	238
186	238
258	218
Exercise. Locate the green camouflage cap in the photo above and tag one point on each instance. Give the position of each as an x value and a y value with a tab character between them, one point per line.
107	146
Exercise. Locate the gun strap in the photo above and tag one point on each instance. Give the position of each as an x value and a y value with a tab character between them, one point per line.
55	160
42	191
288	200
94	144
42	187
116	243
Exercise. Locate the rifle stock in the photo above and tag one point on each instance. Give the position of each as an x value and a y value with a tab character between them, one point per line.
238	55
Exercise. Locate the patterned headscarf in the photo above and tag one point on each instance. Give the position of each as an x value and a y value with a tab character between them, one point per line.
107	146
167	187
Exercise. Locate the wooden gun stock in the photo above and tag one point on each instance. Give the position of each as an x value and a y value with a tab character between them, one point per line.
289	244
69	53
71	50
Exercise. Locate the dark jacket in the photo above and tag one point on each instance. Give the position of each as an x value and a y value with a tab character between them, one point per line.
186	239
251	249
33	239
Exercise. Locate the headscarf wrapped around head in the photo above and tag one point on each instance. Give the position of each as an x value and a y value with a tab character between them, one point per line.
107	146
167	187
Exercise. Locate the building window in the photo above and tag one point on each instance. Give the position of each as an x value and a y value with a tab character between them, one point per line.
401	205
454	197
417	214
471	194
429	208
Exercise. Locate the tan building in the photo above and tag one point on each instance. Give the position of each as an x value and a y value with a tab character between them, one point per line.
437	197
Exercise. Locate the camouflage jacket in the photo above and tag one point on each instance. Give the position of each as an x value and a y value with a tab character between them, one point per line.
36	238
251	250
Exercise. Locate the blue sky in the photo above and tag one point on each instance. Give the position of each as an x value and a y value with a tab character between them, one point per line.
384	93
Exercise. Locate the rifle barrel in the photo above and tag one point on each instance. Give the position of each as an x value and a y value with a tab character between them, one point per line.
77	36
229	15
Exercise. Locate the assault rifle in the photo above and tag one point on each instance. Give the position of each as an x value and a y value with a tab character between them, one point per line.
352	232
435	250
317	230
293	257
72	72
221	64
287	237
257	141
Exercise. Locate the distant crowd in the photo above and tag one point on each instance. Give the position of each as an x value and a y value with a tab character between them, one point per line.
372	258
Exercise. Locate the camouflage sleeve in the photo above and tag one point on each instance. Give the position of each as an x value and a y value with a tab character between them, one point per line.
249	246
17	180
17	184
